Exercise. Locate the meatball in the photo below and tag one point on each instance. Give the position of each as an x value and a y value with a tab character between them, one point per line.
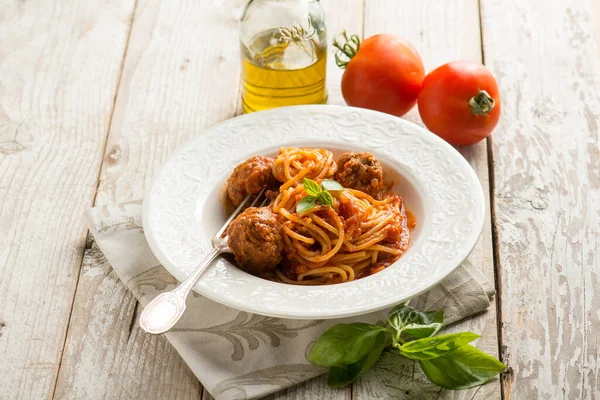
255	238
249	178
360	171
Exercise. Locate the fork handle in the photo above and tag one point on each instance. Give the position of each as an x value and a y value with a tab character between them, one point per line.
163	312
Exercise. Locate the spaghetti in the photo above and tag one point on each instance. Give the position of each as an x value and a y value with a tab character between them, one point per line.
355	237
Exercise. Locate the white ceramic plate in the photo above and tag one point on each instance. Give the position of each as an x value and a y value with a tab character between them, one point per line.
185	205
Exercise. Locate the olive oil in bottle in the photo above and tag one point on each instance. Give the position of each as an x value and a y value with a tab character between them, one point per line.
279	73
284	54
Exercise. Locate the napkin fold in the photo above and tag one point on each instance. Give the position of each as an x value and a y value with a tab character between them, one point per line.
235	354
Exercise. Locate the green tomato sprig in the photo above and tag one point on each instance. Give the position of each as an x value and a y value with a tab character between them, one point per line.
448	360
317	194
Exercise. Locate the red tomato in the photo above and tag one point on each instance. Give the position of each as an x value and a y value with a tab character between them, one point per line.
459	102
385	74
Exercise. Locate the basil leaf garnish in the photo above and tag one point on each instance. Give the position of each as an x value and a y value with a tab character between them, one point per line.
462	368
427	348
306	204
317	193
330	184
345	344
325	198
312	187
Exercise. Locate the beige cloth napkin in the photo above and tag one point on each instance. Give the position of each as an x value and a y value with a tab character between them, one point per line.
237	355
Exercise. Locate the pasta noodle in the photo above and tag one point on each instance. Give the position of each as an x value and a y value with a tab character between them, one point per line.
356	236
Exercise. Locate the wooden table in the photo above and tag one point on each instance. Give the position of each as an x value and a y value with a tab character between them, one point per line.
95	95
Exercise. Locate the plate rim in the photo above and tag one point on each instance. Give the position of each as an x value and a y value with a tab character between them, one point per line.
180	275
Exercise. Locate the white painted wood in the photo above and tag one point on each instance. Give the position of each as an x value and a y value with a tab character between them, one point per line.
106	355
547	190
144	131
60	63
441	32
181	74
103	338
341	15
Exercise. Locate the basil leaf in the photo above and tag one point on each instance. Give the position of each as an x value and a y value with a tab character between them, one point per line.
312	187
462	368
420	331
330	184
306	204
344	375
415	323
345	344
325	198
433	347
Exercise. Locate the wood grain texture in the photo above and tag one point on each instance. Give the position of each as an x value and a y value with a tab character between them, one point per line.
441	32
60	63
341	14
104	331
181	75
547	191
102	320
314	389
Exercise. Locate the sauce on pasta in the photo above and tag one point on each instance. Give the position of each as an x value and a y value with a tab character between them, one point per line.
358	235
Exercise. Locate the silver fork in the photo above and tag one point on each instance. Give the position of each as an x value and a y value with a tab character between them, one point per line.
163	312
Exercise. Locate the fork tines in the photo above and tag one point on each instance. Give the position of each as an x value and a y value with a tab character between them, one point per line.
242	207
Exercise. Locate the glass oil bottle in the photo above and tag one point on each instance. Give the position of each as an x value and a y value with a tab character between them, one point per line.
284	54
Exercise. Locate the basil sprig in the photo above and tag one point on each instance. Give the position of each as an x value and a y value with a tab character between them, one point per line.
410	323
349	350
317	194
448	360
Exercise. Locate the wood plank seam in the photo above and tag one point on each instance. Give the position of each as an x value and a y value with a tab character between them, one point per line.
546	190
177	53
97	184
362	35
364	7
481	42
506	376
133	318
441	34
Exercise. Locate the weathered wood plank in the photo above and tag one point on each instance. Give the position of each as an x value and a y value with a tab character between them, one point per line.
92	369
341	15
547	186
181	74
60	63
441	32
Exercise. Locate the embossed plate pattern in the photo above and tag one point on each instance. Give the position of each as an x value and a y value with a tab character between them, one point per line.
182	212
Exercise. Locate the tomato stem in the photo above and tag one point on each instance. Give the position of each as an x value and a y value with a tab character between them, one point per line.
482	103
345	51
